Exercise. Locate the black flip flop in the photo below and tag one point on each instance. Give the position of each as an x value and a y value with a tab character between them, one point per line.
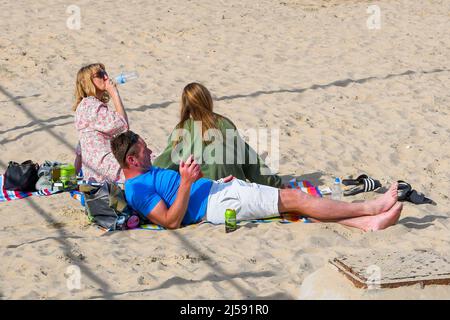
404	190
354	182
363	183
419	198
406	193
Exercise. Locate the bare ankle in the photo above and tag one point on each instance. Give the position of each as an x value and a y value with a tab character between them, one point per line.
369	209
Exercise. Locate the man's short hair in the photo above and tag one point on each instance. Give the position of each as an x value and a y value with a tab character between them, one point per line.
124	144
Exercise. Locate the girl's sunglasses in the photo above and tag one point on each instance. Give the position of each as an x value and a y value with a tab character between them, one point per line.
100	74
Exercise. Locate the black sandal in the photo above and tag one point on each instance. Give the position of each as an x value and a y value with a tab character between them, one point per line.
363	183
404	190
406	193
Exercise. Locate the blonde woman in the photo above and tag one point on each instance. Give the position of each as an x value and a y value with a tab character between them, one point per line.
197	107
97	123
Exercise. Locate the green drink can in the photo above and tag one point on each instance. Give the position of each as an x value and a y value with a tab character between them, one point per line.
230	220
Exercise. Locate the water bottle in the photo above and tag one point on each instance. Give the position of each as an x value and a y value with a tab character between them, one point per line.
336	190
126	76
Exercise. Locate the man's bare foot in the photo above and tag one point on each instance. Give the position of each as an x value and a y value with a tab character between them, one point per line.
384	202
385	219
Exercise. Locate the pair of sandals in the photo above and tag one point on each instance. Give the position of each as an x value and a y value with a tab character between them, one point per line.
363	183
405	192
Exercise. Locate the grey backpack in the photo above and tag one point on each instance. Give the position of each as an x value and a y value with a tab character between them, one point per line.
106	207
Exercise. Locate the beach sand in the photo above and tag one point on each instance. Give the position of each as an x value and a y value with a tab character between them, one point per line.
347	100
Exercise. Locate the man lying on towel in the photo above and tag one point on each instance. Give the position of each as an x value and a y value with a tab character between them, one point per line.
171	199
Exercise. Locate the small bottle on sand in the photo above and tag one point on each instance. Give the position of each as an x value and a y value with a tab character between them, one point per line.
126	76
336	190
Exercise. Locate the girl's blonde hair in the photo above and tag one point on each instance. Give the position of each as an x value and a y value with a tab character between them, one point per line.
84	86
197	103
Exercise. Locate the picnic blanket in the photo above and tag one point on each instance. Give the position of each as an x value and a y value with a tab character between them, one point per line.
303	185
286	218
8	195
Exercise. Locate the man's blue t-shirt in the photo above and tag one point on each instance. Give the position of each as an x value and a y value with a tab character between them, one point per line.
145	191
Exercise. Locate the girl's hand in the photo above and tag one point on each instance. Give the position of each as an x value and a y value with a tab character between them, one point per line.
111	87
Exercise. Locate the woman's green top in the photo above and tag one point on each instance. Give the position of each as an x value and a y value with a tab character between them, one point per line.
224	154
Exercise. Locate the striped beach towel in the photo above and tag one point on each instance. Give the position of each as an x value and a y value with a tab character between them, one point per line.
286	218
303	185
8	195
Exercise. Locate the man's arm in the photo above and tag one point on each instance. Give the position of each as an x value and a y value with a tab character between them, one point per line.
171	217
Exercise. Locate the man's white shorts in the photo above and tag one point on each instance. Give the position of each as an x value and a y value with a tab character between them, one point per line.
250	200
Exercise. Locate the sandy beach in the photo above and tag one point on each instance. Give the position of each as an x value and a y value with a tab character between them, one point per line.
347	99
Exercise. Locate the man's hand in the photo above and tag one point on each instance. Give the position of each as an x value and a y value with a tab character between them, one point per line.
190	170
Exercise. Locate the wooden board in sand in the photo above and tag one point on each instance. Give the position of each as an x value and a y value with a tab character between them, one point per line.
391	269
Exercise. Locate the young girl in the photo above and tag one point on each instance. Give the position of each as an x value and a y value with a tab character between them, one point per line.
97	123
197	107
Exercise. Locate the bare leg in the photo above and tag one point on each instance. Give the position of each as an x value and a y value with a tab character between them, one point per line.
373	223
326	209
378	222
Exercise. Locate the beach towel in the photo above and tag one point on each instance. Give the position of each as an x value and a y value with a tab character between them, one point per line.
288	218
303	185
8	195
285	218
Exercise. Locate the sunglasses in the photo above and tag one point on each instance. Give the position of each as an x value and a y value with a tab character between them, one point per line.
100	74
134	139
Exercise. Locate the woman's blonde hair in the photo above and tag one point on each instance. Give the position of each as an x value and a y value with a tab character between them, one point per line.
197	103
84	86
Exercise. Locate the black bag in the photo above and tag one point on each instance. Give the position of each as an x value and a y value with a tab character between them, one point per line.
106	206
21	177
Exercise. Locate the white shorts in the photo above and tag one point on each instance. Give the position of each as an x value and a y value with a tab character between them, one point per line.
250	200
